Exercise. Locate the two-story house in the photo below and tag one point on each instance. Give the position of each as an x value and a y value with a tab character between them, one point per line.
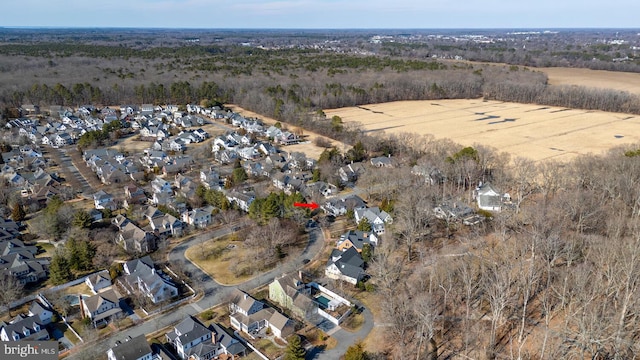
193	340
24	328
136	348
98	281
102	307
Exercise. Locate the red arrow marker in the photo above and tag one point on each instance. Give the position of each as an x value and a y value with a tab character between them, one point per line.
311	206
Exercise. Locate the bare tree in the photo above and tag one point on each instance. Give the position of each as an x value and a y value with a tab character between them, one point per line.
12	290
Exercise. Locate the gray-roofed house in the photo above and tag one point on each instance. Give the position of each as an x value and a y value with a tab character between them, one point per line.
489	198
251	316
345	265
102	307
98	281
136	348
376	217
356	239
142	277
24	266
383	161
43	311
24	328
193	340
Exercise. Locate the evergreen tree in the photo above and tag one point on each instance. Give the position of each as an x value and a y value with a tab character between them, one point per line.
86	252
73	253
355	352
295	350
367	252
18	213
59	270
364	225
82	219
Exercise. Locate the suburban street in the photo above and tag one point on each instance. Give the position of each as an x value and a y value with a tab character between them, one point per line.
215	294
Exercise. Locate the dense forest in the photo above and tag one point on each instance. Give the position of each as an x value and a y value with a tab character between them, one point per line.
290	84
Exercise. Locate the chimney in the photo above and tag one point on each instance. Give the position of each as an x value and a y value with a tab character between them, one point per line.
82	314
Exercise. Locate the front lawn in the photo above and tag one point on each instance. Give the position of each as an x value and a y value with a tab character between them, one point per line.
216	257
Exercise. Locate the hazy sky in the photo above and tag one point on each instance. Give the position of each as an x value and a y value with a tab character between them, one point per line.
322	13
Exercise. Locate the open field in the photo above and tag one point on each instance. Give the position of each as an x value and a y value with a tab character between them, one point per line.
534	131
594	78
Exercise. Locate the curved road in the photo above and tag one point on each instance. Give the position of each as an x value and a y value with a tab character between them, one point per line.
215	294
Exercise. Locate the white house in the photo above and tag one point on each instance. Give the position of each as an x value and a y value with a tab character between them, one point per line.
376	217
98	281
102	307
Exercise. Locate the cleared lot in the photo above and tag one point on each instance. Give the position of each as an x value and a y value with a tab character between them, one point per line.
534	131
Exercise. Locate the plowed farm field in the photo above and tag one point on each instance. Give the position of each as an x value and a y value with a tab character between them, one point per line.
533	131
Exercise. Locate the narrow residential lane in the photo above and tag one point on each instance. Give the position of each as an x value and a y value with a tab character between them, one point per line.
215	293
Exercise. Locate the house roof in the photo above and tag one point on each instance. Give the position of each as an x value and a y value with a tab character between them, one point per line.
356	237
21	323
37	308
278	320
232	345
100	276
350	263
189	329
131	348
141	264
94	302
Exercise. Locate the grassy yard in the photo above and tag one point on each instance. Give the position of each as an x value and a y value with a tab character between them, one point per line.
45	250
353	322
268	348
81	288
216	256
319	338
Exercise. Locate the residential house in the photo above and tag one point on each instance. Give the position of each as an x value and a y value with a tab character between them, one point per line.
103	200
44	312
199	218
431	174
489	198
159	185
248	153
290	292
102	307
24	266
377	218
320	188
287	138
143	278
135	240
383	161
136	348
351	172
307	300
166	225
98	281
210	179
356	239
251	316
193	340
345	265
134	195
337	207
241	200
24	328
452	211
